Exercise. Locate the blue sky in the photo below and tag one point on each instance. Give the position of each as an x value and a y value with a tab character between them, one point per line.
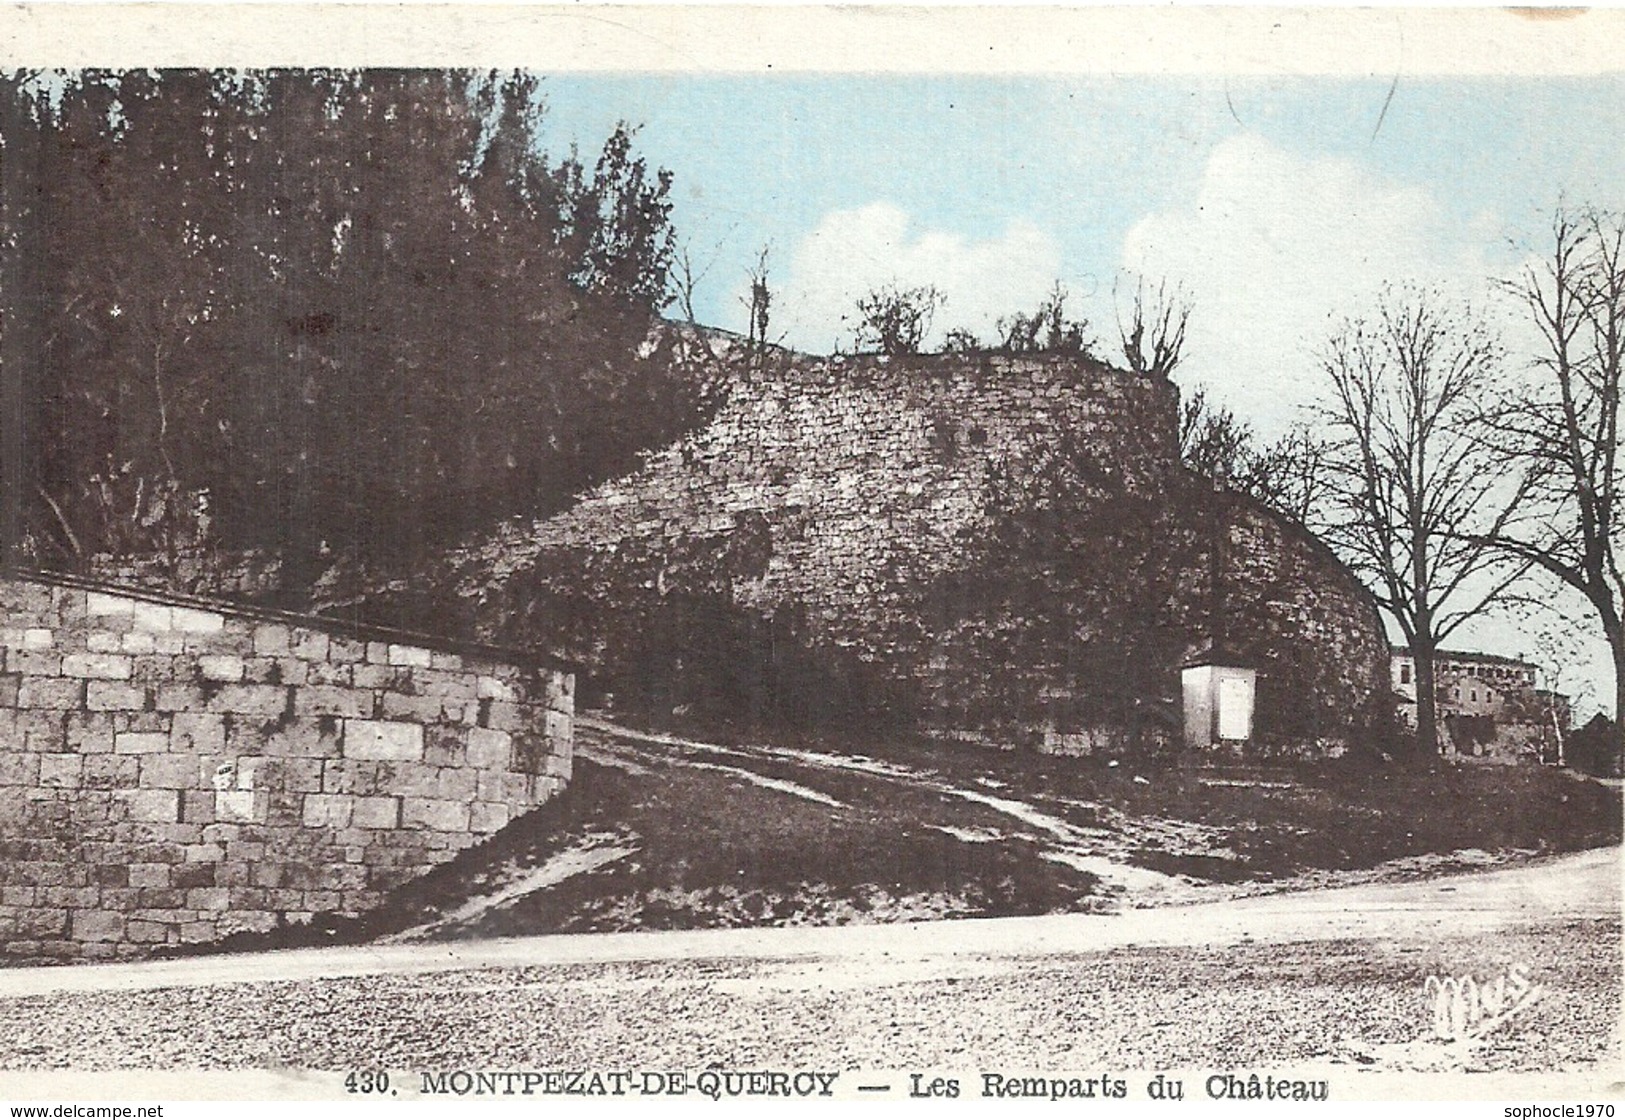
1279	204
758	161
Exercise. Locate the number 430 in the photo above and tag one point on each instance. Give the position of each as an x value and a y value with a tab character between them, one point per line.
367	1081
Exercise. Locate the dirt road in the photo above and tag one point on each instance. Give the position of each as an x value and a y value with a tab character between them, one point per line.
1333	978
1583	886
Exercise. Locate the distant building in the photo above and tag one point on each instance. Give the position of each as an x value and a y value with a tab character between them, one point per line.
1488	705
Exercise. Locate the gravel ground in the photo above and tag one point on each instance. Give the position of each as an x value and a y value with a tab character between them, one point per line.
1358	1003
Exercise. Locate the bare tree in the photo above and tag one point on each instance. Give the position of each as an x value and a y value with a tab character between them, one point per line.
1287	475
1290	474
1154	336
685	279
758	303
1211	440
1564	430
896	320
1412	496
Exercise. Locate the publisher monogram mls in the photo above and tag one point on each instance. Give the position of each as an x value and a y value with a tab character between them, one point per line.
1464	1009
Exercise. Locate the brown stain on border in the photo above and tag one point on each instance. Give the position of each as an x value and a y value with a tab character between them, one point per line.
1542	15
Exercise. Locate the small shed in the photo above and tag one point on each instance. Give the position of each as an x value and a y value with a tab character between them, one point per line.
1219	691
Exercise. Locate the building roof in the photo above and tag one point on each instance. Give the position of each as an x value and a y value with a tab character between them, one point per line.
1468	655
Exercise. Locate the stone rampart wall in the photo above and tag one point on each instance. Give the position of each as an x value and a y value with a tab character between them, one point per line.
884	533
1313	633
172	772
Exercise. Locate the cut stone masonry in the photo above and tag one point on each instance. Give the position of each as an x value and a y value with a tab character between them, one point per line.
172	774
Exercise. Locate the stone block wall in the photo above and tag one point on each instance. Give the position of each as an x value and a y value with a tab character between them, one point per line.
172	772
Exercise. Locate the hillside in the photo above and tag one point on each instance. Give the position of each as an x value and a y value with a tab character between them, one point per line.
670	831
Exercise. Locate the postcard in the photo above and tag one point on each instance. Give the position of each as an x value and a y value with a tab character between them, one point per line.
609	555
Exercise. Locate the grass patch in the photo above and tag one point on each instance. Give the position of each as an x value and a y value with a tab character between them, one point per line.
1279	820
710	851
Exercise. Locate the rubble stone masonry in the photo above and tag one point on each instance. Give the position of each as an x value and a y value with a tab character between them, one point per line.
840	509
174	773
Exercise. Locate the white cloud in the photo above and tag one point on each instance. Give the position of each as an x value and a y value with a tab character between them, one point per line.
852	252
1275	248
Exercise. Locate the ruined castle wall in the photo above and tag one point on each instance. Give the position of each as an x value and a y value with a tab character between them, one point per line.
889	465
172	772
848	504
840	484
1312	630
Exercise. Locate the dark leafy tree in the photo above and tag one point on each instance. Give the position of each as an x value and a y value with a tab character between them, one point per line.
332	314
131	302
24	147
1212	441
615	223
